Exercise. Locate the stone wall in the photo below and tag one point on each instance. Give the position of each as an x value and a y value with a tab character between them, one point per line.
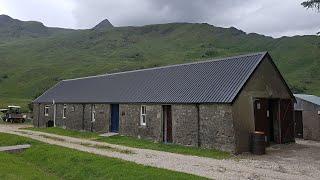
216	127
130	121
185	124
36	115
39	119
102	122
75	119
213	129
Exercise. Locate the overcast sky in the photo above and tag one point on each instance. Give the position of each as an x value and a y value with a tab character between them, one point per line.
269	17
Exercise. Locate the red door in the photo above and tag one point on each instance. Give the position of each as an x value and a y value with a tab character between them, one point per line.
167	124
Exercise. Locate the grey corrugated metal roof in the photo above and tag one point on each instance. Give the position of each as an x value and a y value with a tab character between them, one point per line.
310	98
213	81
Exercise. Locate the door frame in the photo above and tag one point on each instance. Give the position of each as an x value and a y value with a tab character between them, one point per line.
165	111
298	121
272	114
111	115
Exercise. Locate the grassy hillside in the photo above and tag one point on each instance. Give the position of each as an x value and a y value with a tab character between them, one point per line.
31	65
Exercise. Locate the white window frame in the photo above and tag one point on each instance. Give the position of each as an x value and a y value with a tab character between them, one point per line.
143	115
46	110
73	108
64	111
93	113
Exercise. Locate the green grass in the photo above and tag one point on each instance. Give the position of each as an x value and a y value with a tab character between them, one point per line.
43	161
64	132
138	143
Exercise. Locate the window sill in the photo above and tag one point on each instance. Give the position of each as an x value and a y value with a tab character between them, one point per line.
142	126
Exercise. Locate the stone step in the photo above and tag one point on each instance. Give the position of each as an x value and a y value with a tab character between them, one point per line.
108	134
15	149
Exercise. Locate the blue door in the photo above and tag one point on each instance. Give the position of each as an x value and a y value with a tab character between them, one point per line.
114	118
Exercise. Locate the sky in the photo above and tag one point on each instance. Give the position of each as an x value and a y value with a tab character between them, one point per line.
269	17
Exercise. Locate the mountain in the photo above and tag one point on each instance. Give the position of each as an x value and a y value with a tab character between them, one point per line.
30	66
13	29
105	24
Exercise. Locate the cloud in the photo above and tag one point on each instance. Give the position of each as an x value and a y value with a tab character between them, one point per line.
52	13
270	17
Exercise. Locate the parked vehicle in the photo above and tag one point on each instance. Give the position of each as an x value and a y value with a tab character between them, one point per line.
13	114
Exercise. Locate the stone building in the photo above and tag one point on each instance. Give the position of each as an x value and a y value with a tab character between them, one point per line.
208	104
307	116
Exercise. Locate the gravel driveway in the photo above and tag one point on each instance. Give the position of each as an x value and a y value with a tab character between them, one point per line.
291	161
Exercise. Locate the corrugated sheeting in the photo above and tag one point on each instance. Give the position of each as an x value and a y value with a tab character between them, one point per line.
310	98
214	81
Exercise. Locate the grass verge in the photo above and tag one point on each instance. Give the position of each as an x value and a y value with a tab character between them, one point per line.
44	161
138	143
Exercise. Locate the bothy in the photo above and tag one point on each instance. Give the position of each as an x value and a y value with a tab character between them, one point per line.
209	104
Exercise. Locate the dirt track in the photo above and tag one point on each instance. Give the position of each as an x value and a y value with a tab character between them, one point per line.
290	161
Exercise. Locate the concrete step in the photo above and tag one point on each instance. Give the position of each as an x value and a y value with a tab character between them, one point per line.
108	134
15	149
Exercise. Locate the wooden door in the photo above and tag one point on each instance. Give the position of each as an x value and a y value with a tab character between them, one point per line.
286	120
298	124
261	120
167	123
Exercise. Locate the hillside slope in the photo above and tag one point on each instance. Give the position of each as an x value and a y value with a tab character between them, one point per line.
30	66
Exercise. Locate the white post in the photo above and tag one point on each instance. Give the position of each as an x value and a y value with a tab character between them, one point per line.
54	113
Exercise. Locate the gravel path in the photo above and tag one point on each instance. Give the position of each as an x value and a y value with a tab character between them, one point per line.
291	161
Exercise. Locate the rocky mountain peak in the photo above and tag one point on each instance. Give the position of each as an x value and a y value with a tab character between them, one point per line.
103	25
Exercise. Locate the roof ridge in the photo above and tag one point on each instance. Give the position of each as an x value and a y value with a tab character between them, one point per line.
174	65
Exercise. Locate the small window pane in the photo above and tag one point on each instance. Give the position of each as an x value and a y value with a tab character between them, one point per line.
46	110
64	112
143	116
144	119
93	112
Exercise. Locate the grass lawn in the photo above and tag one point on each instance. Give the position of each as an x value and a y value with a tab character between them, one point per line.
43	161
138	143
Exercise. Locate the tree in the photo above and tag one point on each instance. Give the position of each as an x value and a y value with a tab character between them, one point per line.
314	4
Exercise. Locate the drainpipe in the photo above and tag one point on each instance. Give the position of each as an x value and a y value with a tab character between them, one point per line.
198	124
39	115
54	113
91	129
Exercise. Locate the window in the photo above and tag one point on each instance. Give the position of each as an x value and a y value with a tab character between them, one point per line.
64	111
143	116
46	110
93	113
73	108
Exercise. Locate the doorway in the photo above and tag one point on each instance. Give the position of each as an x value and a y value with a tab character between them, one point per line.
266	118
167	123
298	128
114	126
